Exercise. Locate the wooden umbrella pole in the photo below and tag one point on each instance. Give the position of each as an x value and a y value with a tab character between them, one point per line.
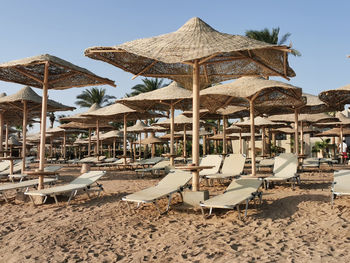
195	129
43	125
341	144
97	152
7	137
1	130
64	144
24	135
172	109
224	142
140	149
301	138
89	144
240	142
124	139
185	143
296	132
252	136
114	139
263	141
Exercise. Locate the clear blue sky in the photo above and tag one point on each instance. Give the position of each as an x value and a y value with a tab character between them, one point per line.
320	31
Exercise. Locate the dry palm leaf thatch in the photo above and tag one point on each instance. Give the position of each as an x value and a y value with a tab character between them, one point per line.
139	126
336	98
161	99
266	94
62	74
223	56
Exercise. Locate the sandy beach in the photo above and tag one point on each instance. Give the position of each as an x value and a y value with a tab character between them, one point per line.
289	226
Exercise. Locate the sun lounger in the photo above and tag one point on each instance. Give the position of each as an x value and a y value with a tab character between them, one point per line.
233	166
210	160
51	168
341	184
157	168
285	169
24	184
174	182
312	162
239	191
268	162
4	165
83	182
16	169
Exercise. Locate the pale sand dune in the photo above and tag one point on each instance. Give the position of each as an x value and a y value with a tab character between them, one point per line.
290	226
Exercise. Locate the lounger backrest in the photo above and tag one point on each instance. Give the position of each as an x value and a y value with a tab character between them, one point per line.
341	181
53	168
311	161
286	165
233	164
211	160
249	184
175	179
88	178
152	160
4	165
162	164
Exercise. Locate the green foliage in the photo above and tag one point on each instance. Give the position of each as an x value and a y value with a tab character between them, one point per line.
94	95
146	86
271	37
322	146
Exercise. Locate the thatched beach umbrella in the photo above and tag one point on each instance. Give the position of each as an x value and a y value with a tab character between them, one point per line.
229	112
79	117
179	123
342	123
256	93
195	56
119	112
27	103
170	97
139	127
262	123
336	98
48	72
152	140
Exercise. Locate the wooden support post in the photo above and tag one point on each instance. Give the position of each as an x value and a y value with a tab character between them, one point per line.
24	135
195	129
1	130
140	147
224	141
296	132
252	136
89	144
43	125
124	139
172	128
185	143
301	138
97	151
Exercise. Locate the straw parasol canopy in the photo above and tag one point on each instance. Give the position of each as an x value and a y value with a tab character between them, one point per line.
151	140
164	55
170	98
196	55
26	103
342	123
48	72
304	118
336	98
256	93
118	112
332	132
139	127
94	123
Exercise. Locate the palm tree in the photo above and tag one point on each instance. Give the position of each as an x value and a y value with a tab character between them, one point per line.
94	95
271	37
148	85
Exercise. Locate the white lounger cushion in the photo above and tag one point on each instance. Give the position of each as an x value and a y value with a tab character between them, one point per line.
233	166
210	160
169	184
24	184
80	182
285	167
238	191
341	183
